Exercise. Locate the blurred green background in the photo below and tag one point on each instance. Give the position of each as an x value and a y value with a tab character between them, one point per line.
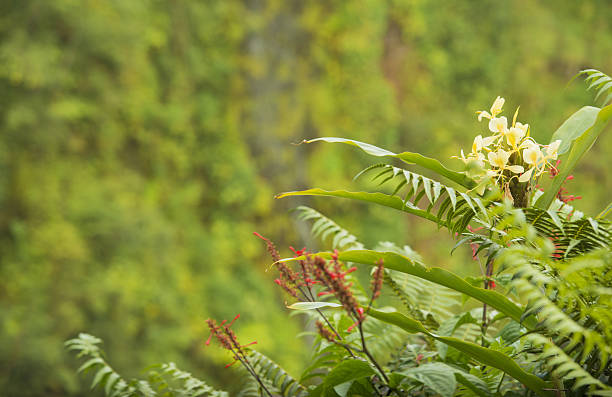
142	142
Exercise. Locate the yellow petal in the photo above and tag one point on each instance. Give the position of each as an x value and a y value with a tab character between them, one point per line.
526	176
517	169
482	114
497	106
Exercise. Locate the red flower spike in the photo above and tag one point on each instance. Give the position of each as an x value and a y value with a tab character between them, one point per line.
270	246
235	318
351	270
334	256
249	344
325	332
277	281
208	340
298	252
419	358
492	284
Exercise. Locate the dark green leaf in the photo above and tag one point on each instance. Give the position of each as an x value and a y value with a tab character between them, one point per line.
407	157
482	354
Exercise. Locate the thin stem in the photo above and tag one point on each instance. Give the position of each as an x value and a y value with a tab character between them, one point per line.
500	382
367	352
310	297
245	363
486	286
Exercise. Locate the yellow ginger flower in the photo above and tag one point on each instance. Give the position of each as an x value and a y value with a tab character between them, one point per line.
520	147
499	125
516	133
481	143
533	156
496	109
500	159
552	149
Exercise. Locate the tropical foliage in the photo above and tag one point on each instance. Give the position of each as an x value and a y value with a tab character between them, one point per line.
141	142
537	320
549	330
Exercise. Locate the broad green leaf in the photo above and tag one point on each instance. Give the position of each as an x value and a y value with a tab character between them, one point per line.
343	388
574	126
377	198
407	157
436	275
435	376
482	354
312	305
585	138
347	371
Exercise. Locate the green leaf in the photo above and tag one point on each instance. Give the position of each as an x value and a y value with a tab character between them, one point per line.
312	305
110	382
486	356
343	388
585	136
606	211
407	157
89	363
511	332
376	198
574	126
448	327
435	376
347	371
474	383
102	373
437	275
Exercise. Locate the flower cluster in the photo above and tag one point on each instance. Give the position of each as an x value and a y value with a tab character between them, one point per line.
509	153
331	276
377	279
227	338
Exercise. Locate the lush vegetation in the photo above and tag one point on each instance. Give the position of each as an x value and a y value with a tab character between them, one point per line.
142	142
543	315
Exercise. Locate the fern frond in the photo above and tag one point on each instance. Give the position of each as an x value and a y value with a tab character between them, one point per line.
383	339
565	367
571	237
276	378
573	301
452	209
601	82
324	228
181	384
